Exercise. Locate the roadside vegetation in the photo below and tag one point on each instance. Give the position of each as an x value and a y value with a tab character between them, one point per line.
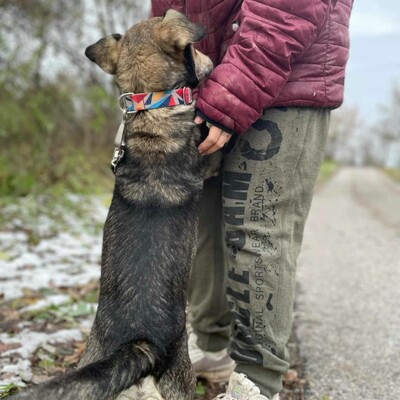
393	173
327	170
58	114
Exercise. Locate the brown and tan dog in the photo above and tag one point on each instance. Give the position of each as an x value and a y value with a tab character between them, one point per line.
137	348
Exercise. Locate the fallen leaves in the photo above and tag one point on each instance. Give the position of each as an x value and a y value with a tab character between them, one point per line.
9	346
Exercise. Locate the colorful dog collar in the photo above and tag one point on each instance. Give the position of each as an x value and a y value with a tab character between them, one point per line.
132	102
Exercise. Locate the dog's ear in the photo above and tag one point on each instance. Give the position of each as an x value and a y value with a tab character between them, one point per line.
105	53
176	32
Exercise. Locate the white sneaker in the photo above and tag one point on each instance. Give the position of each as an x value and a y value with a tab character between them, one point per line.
242	388
215	367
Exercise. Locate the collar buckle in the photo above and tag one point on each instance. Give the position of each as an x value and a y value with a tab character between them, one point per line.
187	95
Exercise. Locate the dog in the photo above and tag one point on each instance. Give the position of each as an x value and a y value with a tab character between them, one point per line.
137	348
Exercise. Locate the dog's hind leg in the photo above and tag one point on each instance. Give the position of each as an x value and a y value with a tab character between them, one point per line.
178	381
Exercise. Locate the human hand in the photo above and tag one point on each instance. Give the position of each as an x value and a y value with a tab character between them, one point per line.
216	139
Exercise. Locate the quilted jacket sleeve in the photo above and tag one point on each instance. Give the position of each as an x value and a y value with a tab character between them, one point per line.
257	64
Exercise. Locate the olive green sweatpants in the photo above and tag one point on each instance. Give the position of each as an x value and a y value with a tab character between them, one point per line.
251	227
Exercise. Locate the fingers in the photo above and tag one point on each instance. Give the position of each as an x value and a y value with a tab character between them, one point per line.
215	140
198	120
223	139
211	139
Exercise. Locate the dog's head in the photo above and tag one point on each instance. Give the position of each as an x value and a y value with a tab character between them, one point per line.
153	55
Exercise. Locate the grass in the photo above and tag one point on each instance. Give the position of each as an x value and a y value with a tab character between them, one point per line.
393	173
67	312
328	168
73	172
8	390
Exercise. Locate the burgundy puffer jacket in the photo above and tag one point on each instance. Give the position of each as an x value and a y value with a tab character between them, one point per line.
268	53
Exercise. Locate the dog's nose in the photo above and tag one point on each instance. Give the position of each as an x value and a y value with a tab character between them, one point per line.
89	53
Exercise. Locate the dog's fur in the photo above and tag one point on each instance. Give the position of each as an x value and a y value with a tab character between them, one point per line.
150	232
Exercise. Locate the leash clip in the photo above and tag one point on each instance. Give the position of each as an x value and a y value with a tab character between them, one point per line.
119	149
117	157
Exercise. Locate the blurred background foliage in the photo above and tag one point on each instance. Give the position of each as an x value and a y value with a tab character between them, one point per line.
58	111
354	140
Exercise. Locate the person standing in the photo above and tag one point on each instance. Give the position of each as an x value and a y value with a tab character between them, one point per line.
279	70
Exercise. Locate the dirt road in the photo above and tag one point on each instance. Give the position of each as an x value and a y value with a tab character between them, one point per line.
348	305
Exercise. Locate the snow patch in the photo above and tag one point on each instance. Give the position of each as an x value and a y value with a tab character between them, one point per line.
30	342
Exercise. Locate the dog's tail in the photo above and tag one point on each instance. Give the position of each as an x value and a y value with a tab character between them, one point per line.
100	380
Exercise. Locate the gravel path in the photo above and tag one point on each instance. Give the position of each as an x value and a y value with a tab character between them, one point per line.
348	305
